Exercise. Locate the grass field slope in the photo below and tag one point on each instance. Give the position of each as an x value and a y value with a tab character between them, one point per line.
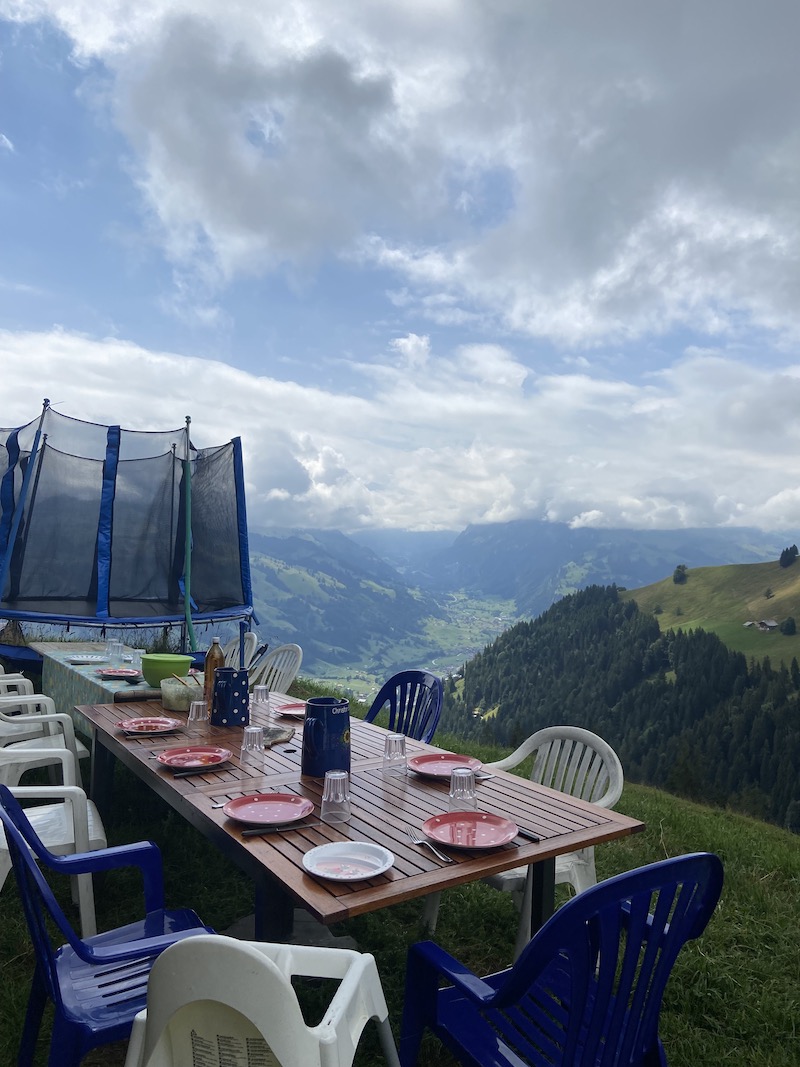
723	600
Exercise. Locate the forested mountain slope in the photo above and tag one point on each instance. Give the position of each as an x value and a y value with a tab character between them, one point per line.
683	712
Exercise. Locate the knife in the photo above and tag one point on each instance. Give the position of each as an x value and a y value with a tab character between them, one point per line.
256	831
522	832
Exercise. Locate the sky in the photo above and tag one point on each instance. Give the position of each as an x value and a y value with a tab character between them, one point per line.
436	262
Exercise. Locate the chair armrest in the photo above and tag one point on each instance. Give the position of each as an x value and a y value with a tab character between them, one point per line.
435	957
11	684
29	699
73	795
64	756
145	855
55	717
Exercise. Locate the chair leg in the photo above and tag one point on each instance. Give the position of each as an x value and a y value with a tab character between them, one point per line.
33	1020
430	911
387	1043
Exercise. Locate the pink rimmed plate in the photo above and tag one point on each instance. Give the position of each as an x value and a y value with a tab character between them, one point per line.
470	829
262	809
441	764
292	711
119	674
155	725
194	756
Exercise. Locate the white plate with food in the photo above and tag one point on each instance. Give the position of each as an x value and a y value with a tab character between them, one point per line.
348	861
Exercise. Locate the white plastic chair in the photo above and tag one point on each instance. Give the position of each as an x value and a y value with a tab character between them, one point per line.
13	685
573	761
44	731
72	825
277	668
231	650
212	991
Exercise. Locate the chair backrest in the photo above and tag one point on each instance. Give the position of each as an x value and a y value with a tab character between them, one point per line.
277	668
211	987
415	704
38	901
574	761
231	650
607	954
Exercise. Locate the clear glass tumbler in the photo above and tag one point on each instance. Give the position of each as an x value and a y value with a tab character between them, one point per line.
336	797
261	697
253	744
114	650
463	795
394	756
197	721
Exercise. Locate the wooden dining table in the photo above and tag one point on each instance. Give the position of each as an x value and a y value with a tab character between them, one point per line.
383	808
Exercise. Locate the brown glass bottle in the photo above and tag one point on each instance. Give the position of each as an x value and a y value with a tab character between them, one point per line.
215	657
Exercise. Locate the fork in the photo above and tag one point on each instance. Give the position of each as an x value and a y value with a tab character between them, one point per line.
417	839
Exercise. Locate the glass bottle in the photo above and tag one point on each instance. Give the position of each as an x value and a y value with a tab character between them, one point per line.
215	657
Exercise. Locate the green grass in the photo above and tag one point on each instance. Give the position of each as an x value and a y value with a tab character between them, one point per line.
733	997
721	599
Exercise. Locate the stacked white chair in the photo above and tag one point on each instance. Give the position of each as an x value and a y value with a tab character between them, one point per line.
277	668
69	823
39	728
231	650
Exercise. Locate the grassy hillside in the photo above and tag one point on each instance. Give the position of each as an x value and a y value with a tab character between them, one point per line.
722	599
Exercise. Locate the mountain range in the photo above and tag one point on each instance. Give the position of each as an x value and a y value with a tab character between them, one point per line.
379	601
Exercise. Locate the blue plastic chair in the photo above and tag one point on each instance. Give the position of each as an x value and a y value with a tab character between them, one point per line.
98	984
415	704
588	987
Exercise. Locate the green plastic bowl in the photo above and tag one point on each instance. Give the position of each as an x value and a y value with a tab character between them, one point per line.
159	665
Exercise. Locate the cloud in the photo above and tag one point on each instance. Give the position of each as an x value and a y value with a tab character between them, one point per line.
710	441
5	144
584	175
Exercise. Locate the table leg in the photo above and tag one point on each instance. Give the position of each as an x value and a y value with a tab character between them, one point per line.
538	900
274	912
101	785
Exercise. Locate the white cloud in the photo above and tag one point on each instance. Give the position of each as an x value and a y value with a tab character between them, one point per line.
5	144
708	442
586	173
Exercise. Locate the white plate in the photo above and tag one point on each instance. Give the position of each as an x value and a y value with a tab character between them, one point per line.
348	861
84	661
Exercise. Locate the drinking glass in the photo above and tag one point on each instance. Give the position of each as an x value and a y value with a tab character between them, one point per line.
136	658
114	651
253	744
336	797
261	696
197	722
394	756
463	796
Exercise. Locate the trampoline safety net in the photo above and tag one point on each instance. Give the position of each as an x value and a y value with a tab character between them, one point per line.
93	525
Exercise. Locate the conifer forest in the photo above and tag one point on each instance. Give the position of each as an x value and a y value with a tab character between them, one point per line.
683	712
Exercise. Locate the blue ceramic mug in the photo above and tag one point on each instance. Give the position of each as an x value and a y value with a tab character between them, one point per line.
326	736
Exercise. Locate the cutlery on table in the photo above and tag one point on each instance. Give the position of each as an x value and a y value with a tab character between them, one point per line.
257	831
416	838
522	832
